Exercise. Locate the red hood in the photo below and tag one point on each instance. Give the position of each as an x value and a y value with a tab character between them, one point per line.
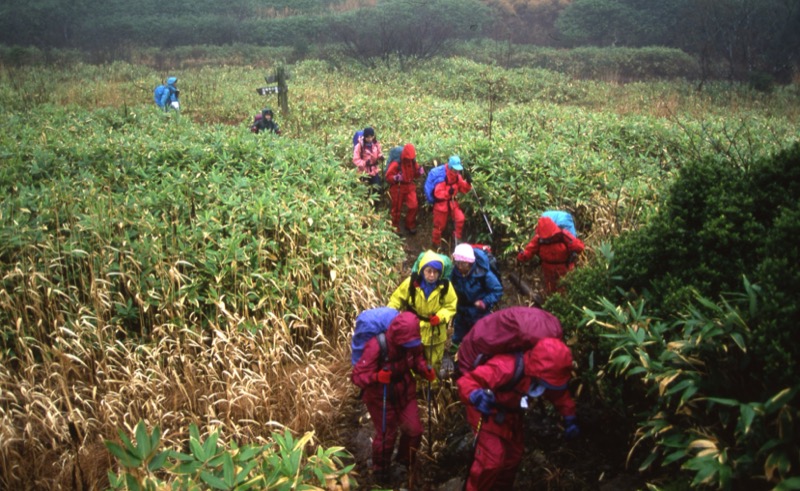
547	228
451	175
550	360
409	152
404	329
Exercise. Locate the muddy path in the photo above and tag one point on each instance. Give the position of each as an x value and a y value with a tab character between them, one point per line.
594	461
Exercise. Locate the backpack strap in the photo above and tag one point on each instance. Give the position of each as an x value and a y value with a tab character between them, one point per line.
384	347
519	369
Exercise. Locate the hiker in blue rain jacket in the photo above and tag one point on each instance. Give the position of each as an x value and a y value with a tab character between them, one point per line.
168	99
477	287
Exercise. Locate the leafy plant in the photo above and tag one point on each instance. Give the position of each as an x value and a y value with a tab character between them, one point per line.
709	411
282	465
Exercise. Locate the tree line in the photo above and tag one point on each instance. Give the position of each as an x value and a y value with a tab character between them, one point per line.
736	39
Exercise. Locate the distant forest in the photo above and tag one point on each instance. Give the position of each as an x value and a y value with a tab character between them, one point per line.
747	37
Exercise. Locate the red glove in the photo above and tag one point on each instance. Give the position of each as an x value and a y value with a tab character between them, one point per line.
385	376
480	304
429	374
434	320
521	257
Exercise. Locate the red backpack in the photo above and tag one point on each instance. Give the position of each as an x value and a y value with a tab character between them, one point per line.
510	330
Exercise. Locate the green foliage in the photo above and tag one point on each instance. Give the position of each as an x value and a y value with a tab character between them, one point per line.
281	465
709	410
721	222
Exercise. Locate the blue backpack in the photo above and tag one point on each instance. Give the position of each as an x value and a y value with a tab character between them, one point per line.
357	135
562	219
435	176
369	324
158	94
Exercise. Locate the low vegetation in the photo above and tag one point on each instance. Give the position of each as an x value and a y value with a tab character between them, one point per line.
176	269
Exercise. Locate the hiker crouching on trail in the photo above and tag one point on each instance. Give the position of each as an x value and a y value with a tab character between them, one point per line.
390	392
558	250
401	176
495	410
433	300
367	155
445	203
264	122
477	287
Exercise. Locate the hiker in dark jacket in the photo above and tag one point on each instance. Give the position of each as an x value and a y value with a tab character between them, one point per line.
390	391
477	287
495	410
557	248
265	122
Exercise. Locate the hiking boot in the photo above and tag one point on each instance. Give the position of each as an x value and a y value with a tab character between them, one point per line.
412	231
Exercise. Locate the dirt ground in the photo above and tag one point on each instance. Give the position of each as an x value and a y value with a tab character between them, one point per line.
594	461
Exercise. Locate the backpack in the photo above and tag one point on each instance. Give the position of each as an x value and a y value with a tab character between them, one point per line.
256	127
563	220
509	330
369	324
444	279
435	176
158	93
486	260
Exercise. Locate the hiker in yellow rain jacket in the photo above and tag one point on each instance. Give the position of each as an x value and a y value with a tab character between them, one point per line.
433	300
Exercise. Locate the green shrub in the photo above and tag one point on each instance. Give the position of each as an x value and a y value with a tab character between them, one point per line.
281	465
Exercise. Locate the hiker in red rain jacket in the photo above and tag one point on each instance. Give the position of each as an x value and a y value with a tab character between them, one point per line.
390	391
495	411
445	203
557	248
401	176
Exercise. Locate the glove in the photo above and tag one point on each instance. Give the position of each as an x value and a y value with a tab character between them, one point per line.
483	400
522	257
429	374
573	257
421	171
397	178
467	176
434	320
480	304
451	191
385	376
571	430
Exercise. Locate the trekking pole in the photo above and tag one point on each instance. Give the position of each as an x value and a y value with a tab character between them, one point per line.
480	207
383	435
430	414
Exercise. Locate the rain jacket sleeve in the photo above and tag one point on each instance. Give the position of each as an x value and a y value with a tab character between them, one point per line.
531	249
399	299
492	290
365	372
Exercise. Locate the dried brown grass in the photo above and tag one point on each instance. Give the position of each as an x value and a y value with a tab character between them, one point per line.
244	383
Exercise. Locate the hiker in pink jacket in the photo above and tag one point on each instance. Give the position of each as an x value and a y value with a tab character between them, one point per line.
367	156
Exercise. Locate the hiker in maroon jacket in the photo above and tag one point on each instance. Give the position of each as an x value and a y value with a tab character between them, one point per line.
557	248
495	407
390	391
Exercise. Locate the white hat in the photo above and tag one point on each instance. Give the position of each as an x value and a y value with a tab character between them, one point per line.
464	253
